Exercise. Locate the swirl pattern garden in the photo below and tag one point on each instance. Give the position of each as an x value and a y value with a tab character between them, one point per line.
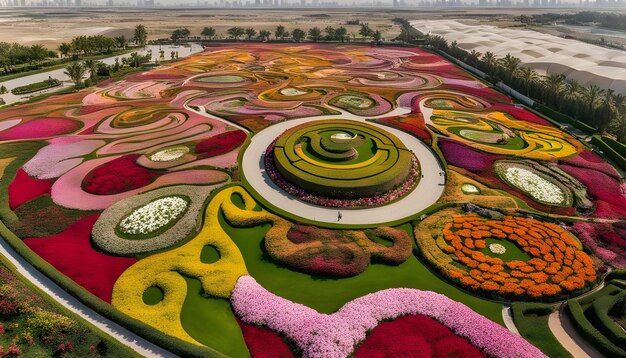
415	195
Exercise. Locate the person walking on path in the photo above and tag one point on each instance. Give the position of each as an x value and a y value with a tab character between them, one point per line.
339	216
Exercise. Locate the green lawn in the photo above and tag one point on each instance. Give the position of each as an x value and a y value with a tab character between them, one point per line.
211	321
531	320
327	295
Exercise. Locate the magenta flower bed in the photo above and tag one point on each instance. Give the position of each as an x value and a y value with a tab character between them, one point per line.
606	240
40	128
601	187
461	156
24	189
336	335
591	160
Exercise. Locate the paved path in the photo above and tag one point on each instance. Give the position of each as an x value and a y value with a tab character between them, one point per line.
427	192
111	328
59	74
507	317
569	338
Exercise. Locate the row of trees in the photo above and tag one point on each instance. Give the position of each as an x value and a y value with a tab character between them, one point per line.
314	34
99	44
77	70
13	54
599	108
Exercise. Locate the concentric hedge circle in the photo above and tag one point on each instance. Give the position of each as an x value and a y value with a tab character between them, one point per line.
342	158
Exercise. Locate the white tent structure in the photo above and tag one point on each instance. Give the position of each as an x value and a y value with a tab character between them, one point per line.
547	54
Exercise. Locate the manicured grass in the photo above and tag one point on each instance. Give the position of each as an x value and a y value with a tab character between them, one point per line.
531	320
211	321
513	252
328	295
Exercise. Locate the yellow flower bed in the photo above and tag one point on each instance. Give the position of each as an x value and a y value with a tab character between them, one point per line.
165	270
542	142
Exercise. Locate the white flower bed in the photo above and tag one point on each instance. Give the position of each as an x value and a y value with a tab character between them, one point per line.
469	189
497	249
153	216
169	154
534	185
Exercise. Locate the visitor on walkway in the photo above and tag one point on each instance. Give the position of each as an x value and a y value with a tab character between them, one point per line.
339	216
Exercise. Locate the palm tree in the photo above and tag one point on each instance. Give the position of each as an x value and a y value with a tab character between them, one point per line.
341	34
490	60
528	76
473	57
298	34
141	35
76	71
235	32
618	127
264	35
121	41
92	66
279	32
315	34
509	64
250	32
64	49
552	85
591	95
208	32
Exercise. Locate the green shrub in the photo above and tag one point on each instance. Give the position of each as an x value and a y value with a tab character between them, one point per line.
531	320
45	323
609	151
37	86
617	146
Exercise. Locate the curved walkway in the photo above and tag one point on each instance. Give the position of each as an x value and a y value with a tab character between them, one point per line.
427	192
507	317
121	334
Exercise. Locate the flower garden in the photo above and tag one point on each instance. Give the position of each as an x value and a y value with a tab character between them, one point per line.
133	197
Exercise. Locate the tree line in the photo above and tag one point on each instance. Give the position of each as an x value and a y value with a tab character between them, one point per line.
314	34
602	109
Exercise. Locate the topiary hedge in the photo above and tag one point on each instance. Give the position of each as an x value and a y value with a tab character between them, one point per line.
37	86
609	151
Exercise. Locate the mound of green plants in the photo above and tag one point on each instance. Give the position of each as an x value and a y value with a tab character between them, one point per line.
531	320
342	159
37	86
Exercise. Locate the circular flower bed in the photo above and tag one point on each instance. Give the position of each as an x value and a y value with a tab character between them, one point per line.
341	164
550	263
153	216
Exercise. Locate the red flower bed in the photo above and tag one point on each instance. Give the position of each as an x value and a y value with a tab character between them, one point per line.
263	342
220	144
71	253
24	188
415	336
413	124
119	175
40	128
601	187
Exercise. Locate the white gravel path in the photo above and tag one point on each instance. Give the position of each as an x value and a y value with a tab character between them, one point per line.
427	192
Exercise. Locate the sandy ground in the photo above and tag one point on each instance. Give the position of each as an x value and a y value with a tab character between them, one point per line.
50	27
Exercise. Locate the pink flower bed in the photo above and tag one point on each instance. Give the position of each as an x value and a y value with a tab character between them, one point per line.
24	188
71	253
336	335
40	128
415	336
606	240
591	160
